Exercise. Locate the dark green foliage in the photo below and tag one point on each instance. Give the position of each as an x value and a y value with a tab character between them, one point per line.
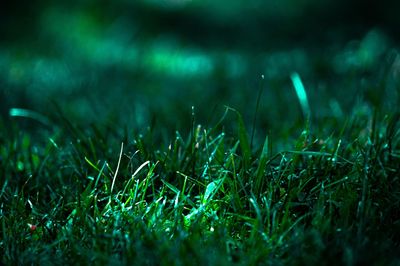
333	200
134	133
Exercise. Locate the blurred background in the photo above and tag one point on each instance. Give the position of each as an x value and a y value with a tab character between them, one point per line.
145	63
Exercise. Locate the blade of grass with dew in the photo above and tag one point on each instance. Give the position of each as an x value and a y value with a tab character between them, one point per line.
212	189
214	153
258	222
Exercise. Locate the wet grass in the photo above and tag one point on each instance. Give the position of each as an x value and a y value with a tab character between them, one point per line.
82	194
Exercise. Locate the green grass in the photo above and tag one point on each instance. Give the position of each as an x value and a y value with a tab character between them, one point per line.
205	197
103	161
302	170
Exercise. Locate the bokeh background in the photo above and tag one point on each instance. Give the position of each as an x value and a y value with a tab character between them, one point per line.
145	63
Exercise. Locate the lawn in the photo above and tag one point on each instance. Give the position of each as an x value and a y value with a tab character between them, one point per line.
166	151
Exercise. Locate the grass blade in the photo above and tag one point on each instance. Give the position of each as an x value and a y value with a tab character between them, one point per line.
19	112
261	167
116	171
301	94
243	139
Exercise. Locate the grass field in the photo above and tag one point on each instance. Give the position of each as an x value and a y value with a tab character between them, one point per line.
93	195
297	167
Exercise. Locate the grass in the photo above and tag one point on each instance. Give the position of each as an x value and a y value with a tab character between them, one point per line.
96	194
303	170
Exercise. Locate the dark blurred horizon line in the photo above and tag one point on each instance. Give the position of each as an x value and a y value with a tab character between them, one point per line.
249	28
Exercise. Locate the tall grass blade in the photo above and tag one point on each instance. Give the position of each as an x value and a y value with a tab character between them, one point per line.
301	94
244	140
116	171
261	167
256	112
